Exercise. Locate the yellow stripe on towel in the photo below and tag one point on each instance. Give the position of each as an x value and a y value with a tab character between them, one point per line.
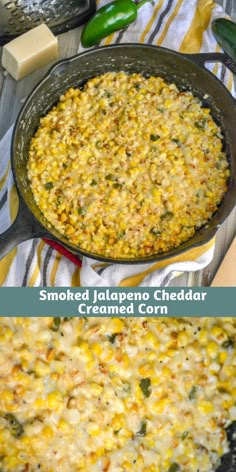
109	39
36	270
7	261
216	66
13	203
55	269
75	279
192	41
4	177
229	84
5	265
151	21
190	255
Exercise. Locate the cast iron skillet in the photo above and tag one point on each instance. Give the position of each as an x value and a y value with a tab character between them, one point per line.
228	460
187	71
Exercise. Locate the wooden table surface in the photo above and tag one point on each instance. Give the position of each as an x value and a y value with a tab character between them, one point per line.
13	94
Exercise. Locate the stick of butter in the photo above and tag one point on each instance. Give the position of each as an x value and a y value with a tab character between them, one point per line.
30	51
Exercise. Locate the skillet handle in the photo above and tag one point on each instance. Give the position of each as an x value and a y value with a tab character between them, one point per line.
204	57
24	227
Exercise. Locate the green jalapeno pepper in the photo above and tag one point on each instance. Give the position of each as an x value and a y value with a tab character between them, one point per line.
15	426
108	19
225	33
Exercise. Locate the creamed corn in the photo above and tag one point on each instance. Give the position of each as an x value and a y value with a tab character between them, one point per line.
128	166
116	395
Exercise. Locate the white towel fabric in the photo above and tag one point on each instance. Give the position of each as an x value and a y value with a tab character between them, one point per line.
183	25
95	275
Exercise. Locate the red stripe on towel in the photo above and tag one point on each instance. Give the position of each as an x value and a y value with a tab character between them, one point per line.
65	252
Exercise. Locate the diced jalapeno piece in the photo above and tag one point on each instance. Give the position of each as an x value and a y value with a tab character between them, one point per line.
15	426
110	177
192	393
112	337
154	137
228	343
184	435
145	385
55	324
48	185
143	429
167	215
174	467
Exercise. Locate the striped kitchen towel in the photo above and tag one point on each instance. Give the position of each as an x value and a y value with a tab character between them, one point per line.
183	25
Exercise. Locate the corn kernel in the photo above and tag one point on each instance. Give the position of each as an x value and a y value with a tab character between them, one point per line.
118	422
151	338
93	429
212	349
97	348
100	451
183	338
39	403
107	354
205	406
227	403
222	357
230	370
54	399
95	389
47	432
41	368
126	465
216	331
116	325
63	425
203	337
159	406
7	396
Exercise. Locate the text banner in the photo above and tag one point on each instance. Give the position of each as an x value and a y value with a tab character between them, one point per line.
119	302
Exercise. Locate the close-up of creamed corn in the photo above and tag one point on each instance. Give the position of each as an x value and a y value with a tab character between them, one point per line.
128	166
116	395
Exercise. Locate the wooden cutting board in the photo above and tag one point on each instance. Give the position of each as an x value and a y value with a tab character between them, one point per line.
226	274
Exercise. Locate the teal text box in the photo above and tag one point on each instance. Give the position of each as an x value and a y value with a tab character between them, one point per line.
121	302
